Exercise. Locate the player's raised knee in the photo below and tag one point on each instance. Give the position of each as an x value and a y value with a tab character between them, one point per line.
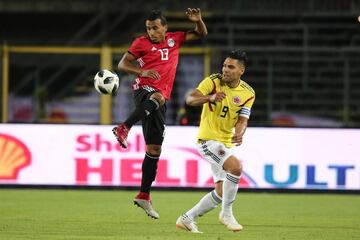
158	97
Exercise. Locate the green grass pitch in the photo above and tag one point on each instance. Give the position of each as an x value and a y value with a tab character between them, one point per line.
93	214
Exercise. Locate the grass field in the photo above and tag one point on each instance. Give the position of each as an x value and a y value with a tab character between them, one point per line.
90	214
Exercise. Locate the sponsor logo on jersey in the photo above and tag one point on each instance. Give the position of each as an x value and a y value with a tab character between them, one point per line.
153	48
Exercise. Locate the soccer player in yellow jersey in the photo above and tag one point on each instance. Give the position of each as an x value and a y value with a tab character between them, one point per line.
227	102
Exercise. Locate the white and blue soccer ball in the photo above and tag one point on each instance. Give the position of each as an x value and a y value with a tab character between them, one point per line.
106	82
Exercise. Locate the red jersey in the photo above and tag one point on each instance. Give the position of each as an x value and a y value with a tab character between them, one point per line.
162	57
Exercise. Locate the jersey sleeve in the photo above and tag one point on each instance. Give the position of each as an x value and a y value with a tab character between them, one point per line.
136	48
180	37
207	86
245	111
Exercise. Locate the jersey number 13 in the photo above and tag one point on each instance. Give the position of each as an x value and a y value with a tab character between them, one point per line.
164	54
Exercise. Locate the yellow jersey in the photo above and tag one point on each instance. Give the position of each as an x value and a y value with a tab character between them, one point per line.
218	119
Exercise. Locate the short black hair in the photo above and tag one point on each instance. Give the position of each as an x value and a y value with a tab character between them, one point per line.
241	56
157	14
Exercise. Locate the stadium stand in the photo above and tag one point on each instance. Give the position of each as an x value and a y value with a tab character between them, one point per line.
303	54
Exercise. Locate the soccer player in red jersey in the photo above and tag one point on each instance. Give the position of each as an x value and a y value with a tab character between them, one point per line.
157	55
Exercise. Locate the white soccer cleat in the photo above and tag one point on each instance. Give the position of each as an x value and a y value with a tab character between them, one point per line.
230	222
185	223
146	205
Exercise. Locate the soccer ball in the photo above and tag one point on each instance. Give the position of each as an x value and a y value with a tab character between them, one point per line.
106	82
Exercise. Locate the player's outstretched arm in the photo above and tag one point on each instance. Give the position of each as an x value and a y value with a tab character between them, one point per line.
196	98
126	65
200	31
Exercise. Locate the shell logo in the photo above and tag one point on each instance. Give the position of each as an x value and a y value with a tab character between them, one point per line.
14	155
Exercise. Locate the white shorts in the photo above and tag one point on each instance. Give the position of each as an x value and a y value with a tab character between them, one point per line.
216	154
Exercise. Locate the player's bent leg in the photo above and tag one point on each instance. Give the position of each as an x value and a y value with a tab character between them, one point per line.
142	110
187	224
144	107
122	130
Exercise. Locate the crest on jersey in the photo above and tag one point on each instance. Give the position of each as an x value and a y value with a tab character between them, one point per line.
170	42
236	100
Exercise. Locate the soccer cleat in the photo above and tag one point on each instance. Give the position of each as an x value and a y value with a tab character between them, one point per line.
185	223
121	132
147	206
230	222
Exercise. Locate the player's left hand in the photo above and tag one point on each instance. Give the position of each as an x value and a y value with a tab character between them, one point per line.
237	139
194	14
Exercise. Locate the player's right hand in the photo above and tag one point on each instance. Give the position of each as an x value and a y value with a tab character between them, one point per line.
217	97
150	73
194	14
